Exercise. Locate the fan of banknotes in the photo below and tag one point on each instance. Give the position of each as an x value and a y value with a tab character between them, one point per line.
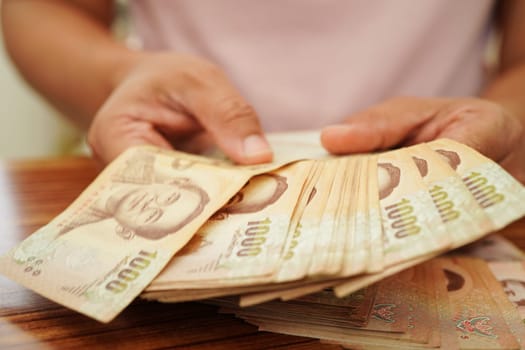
173	227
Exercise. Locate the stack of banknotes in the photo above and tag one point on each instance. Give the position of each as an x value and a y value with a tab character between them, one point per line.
171	226
445	303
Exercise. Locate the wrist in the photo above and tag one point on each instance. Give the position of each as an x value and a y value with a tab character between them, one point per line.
115	62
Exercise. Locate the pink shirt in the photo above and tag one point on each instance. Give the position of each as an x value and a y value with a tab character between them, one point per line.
309	63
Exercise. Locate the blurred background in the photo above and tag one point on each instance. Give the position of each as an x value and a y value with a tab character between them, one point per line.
29	126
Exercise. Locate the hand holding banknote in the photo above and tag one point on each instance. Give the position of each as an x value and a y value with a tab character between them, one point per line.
176	101
490	128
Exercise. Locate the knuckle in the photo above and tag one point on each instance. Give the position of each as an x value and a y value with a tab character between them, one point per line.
234	111
202	78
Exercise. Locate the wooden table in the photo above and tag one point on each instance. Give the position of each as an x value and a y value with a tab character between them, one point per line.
32	192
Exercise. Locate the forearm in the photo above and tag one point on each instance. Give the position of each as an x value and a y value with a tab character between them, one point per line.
66	52
508	89
508	86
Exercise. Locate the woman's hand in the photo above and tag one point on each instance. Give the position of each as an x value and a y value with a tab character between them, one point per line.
481	124
172	100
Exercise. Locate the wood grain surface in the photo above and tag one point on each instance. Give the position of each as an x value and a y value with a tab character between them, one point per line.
32	192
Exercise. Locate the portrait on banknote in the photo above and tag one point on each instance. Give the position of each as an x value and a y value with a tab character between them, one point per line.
143	202
257	194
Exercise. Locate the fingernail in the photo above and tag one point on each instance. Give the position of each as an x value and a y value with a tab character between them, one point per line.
255	145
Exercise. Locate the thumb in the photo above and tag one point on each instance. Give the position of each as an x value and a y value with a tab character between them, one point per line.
377	128
232	122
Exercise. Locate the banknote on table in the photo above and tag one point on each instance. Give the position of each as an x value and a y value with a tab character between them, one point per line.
432	321
478	320
492	248
360	303
453	303
511	275
108	245
388	321
506	305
